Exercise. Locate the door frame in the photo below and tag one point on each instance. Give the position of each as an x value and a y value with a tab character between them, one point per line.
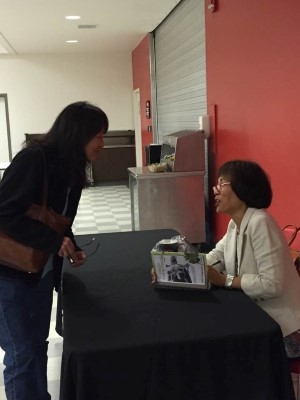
138	127
4	96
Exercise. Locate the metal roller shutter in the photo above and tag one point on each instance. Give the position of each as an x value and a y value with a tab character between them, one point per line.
180	69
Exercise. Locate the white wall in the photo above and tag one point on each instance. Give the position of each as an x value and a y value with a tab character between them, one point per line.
39	87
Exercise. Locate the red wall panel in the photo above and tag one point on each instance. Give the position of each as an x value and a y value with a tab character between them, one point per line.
253	68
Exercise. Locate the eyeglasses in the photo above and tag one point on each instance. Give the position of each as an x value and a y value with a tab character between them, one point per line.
219	187
88	244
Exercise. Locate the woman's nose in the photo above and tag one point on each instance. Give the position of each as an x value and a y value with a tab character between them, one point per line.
215	190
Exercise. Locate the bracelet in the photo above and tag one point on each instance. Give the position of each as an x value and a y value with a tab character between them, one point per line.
228	281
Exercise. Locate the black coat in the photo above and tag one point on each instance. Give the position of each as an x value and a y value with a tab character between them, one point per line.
22	185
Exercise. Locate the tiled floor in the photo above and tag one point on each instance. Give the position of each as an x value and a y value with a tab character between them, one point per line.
104	208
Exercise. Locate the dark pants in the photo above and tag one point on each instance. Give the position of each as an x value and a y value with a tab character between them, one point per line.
25	311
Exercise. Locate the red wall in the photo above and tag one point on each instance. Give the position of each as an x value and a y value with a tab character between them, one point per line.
142	81
253	90
253	82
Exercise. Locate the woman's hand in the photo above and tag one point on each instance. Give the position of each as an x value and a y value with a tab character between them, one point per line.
153	275
67	249
215	277
81	258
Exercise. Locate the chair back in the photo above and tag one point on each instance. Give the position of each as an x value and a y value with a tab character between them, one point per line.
292	235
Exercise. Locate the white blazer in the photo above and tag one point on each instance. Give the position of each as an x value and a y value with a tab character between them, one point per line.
260	255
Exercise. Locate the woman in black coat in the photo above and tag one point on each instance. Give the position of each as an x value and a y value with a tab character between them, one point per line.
75	139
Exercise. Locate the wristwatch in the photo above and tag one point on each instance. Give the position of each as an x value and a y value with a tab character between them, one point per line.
228	281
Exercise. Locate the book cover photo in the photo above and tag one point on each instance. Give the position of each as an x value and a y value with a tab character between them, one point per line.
176	269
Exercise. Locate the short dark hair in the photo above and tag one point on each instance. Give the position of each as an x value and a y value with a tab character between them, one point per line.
249	182
73	128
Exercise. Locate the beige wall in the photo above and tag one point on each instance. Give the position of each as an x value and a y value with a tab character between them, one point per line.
38	87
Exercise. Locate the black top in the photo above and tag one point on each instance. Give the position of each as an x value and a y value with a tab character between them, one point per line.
125	339
22	185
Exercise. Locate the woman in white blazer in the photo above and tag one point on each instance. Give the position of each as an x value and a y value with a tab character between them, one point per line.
254	255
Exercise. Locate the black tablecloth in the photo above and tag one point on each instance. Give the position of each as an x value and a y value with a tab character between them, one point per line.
125	339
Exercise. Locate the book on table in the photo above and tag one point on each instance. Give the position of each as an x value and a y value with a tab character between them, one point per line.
180	270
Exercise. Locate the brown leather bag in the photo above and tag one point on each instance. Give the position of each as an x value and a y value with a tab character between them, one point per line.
25	258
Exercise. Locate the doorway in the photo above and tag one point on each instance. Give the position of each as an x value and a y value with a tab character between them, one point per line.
5	148
137	127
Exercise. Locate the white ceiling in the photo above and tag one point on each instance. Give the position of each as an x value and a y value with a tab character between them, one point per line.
40	27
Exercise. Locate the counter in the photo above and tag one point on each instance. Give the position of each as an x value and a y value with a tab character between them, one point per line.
116	156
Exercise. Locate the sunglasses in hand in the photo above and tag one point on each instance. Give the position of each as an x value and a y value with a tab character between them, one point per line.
91	242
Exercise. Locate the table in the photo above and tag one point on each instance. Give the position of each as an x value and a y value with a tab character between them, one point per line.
125	339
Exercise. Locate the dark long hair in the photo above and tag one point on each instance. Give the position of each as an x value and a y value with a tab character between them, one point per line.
249	182
73	128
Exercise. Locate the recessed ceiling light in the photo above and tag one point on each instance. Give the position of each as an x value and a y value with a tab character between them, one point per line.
71	41
72	17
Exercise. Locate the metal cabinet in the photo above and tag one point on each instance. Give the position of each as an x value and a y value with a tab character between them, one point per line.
172	200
